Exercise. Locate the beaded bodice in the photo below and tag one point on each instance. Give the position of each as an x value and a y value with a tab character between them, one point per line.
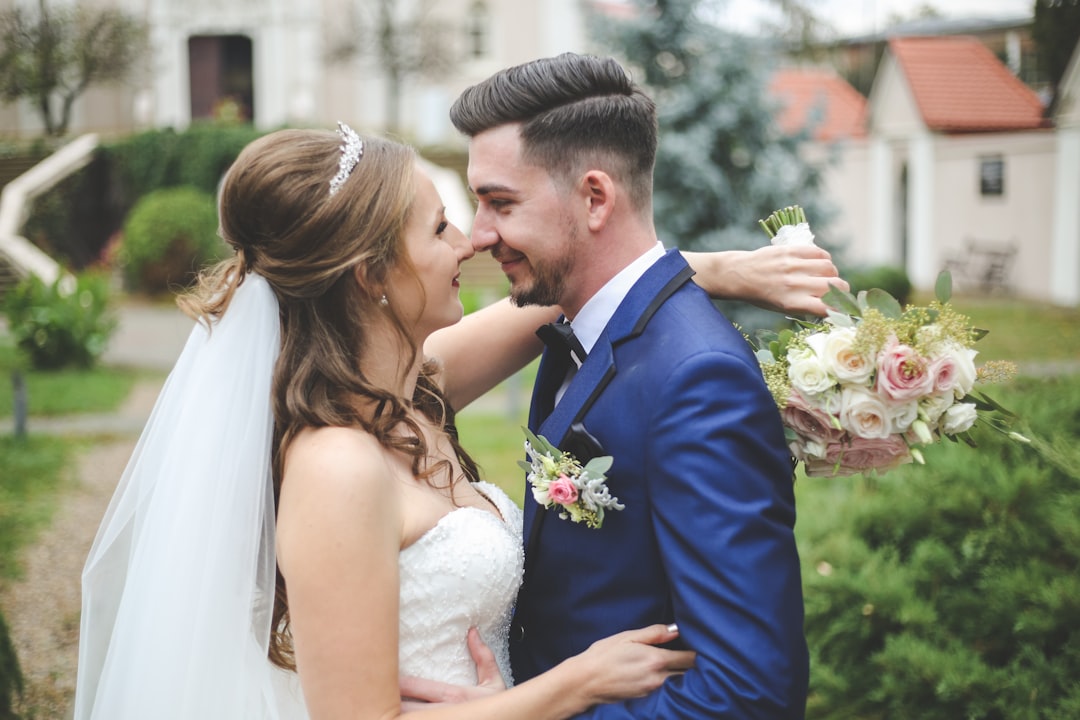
464	572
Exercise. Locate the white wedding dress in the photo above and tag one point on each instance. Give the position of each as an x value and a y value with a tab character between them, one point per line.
178	586
462	573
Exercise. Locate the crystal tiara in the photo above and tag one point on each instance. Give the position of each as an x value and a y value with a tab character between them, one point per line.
351	152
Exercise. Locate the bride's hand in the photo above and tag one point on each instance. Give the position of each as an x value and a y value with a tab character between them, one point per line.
782	278
420	694
629	665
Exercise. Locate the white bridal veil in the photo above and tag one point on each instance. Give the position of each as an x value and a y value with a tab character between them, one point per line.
179	585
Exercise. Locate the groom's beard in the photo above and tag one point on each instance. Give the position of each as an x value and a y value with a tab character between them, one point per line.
548	277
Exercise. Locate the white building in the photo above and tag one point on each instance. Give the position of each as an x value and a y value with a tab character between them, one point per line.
311	62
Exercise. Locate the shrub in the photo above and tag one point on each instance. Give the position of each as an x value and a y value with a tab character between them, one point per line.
67	323
892	280
11	678
167	237
952	590
156	159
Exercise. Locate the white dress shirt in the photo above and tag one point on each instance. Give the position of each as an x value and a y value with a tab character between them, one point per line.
594	315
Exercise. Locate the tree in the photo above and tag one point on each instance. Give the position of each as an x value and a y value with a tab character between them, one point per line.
805	33
50	56
925	11
405	41
722	163
1056	32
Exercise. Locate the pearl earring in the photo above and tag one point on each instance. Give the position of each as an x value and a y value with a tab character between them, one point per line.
383	301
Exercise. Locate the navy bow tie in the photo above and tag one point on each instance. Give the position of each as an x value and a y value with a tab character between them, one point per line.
560	339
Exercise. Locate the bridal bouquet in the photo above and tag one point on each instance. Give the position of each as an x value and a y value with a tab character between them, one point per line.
864	389
559	481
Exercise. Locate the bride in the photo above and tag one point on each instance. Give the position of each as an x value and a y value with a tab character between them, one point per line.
298	526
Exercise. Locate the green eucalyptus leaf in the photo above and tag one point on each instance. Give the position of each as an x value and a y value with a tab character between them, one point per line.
842	301
943	287
599	465
884	303
979	333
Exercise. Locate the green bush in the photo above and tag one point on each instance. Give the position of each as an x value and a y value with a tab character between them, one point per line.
158	159
952	590
167	237
11	678
65	324
892	280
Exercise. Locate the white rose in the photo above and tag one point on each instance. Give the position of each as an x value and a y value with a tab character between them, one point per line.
541	495
794	235
807	372
964	359
842	361
829	401
931	407
863	414
901	415
958	418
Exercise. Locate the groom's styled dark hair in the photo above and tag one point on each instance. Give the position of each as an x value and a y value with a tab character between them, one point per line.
574	110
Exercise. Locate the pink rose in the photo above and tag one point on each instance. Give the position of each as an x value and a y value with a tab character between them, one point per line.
808	421
563	491
944	370
903	374
860	455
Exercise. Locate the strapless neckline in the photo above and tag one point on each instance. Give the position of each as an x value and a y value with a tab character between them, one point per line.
462	572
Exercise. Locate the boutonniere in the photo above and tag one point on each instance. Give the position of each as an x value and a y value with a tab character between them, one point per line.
560	481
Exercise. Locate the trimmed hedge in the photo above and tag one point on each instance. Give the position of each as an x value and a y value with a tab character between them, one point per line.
952	590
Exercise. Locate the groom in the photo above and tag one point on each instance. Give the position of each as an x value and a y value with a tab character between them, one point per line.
561	160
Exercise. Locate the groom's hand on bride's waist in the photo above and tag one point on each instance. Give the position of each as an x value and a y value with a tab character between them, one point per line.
419	694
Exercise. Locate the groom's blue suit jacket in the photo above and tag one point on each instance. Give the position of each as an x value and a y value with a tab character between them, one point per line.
673	392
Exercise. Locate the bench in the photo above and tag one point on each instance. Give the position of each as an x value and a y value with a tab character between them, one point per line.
983	265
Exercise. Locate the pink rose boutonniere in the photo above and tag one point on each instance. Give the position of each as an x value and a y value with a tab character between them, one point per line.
579	492
863	390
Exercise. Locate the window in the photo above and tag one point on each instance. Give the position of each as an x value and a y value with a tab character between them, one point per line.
476	31
992	176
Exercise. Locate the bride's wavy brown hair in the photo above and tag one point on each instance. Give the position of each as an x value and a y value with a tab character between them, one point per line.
277	213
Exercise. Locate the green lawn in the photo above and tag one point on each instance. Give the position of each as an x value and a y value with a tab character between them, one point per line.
62	392
1023	331
34	469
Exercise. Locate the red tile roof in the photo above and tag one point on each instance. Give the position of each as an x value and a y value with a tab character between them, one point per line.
960	86
820	99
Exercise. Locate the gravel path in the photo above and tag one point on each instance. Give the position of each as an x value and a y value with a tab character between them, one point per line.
43	607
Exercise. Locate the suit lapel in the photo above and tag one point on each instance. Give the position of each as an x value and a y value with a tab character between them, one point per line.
633	314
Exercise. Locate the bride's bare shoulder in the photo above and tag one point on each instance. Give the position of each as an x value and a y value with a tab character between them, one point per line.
339	483
335	460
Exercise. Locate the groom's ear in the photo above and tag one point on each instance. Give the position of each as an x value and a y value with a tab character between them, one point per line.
599	193
580	443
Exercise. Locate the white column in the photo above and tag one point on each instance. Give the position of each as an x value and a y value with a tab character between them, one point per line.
271	74
172	87
880	246
303	86
564	27
922	259
1065	246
